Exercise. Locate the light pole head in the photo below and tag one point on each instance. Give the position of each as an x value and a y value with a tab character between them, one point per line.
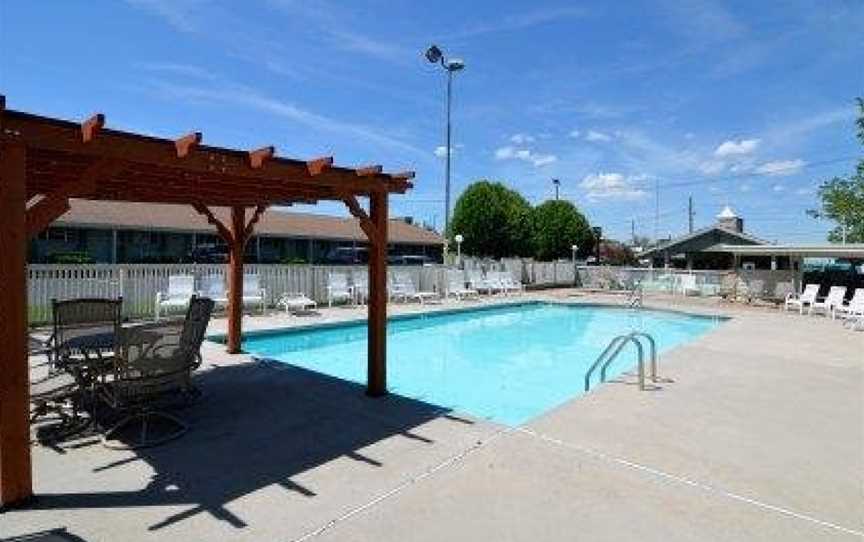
575	248
556	182
459	238
434	54
455	64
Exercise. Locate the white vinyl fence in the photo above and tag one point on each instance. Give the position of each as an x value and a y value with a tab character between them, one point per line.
138	284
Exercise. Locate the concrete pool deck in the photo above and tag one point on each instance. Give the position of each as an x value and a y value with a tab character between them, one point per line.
759	437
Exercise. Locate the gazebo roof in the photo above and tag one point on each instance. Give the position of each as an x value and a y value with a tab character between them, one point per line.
89	161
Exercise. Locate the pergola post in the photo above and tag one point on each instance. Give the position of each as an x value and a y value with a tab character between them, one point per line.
376	379
236	246
15	468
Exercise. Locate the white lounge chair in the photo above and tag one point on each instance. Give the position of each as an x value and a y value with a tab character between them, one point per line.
402	287
295	302
507	283
833	299
687	285
849	312
456	287
805	299
478	282
253	293
337	288
181	288
360	288
213	287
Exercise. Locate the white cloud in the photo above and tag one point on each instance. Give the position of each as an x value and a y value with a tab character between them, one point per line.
594	135
736	148
778	188
804	191
521	139
526	155
177	13
712	167
575	134
612	186
744	187
781	167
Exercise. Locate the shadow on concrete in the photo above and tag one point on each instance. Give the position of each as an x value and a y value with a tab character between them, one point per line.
59	534
258	424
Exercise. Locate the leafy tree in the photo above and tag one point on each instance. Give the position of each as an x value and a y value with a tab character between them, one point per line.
493	219
556	226
843	197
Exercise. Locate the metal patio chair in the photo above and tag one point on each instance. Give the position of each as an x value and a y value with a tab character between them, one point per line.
152	369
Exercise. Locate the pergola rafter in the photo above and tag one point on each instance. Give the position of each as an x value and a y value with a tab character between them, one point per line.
45	161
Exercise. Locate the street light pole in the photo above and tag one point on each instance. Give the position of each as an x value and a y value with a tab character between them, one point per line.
557	183
449	151
436	56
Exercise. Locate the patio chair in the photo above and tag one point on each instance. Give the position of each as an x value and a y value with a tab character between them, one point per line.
509	284
83	332
337	288
181	288
296	302
687	285
476	281
456	286
153	365
213	287
833	299
853	309
402	287
806	298
253	293
360	288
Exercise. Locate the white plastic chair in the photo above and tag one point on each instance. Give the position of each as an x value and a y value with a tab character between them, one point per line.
833	299
402	287
253	293
337	288
852	310
181	288
294	302
456	286
213	287
807	297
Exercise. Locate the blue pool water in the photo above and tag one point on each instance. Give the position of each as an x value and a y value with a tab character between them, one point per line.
507	363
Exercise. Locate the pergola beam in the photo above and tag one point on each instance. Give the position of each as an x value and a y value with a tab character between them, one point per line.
65	137
56	203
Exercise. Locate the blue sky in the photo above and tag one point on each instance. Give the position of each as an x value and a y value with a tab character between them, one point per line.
745	103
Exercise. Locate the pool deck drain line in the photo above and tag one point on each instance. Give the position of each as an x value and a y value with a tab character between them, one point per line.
687	481
450	461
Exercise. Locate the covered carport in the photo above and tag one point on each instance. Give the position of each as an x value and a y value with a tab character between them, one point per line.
46	161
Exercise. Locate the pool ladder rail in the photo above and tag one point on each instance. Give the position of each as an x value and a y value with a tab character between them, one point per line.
615	347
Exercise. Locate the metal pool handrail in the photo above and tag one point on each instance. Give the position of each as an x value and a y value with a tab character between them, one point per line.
614	348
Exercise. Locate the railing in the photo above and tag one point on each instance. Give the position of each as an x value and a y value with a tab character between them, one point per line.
615	347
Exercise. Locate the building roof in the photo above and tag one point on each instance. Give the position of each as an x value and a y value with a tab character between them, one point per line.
727	212
148	216
669	246
811	251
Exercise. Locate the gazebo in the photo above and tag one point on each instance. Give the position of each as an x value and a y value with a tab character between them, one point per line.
46	161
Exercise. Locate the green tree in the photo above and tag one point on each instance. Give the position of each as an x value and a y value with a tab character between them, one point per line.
843	197
556	227
493	219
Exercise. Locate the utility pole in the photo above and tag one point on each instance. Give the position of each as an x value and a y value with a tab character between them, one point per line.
690	213
633	231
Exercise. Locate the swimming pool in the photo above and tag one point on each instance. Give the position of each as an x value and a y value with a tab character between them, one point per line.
507	363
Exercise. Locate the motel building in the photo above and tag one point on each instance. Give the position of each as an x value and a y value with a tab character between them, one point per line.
129	233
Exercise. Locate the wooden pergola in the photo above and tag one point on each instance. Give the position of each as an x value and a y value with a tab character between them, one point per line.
45	161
